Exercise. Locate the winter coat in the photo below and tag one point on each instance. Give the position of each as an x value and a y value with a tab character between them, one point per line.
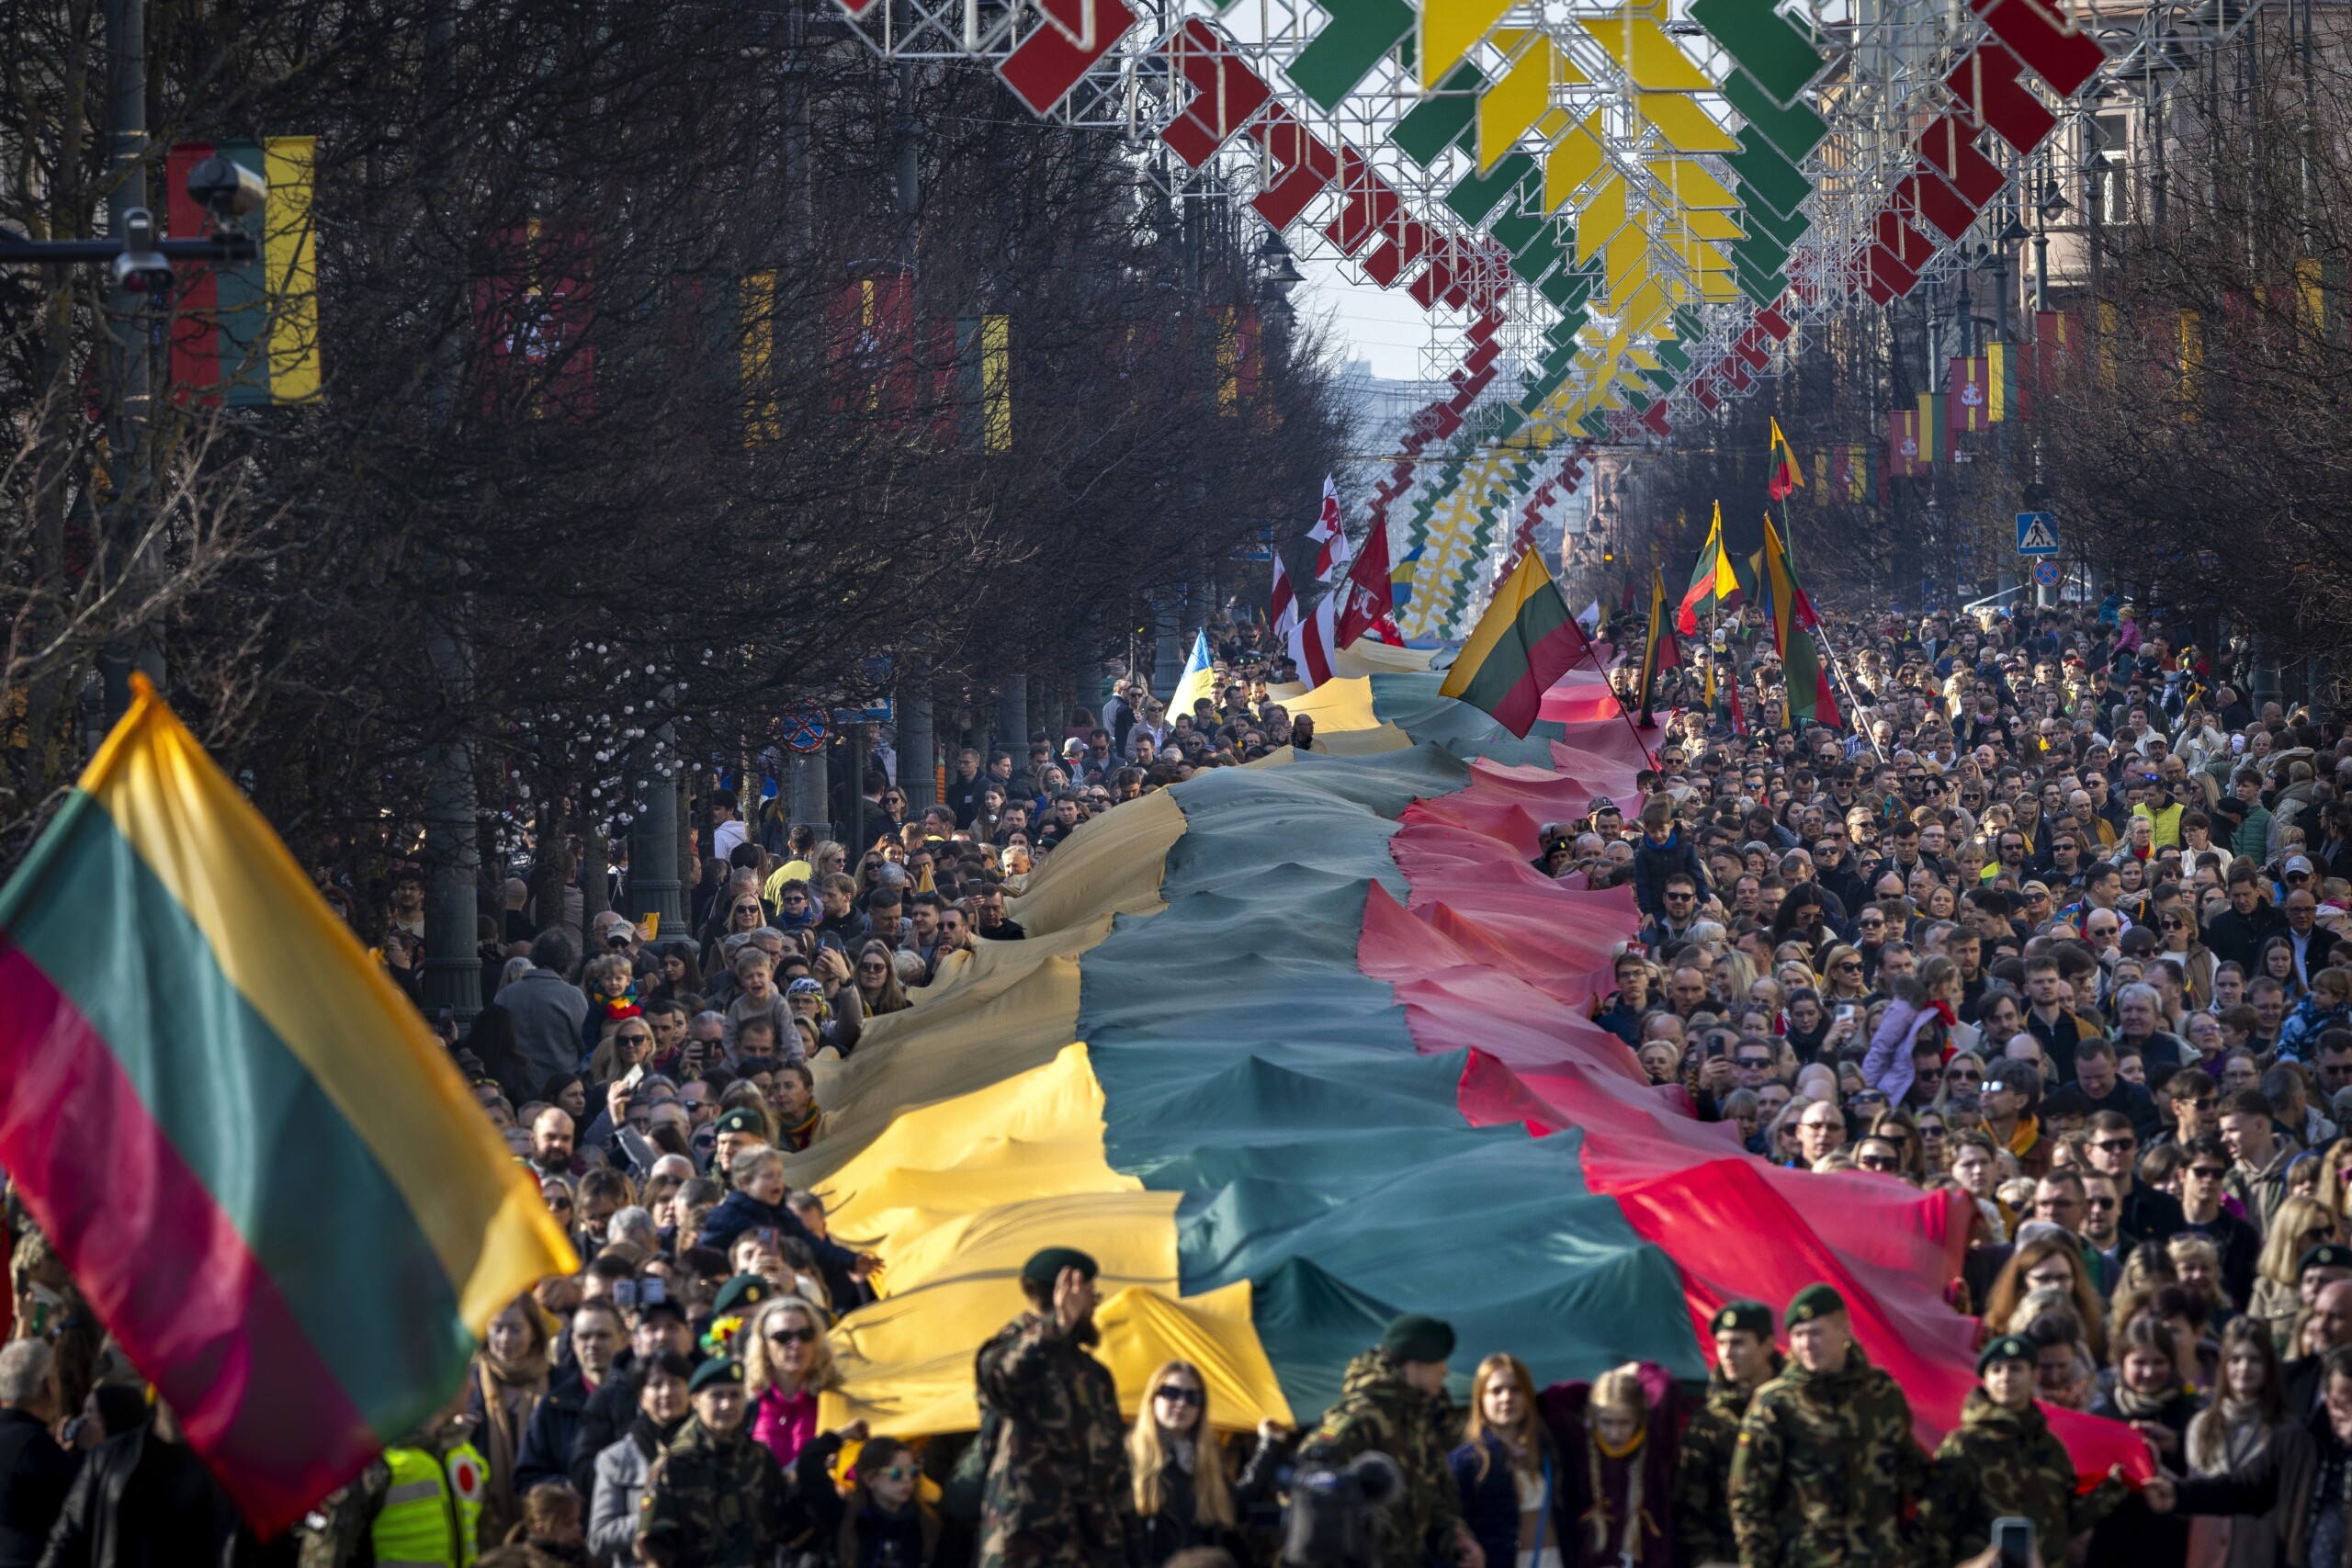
1653	863
739	1212
548	1011
1887	1067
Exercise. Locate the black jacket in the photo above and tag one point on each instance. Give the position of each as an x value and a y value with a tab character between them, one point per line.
142	1502
2238	939
546	1453
34	1476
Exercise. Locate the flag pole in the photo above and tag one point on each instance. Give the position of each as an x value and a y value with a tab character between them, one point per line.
1622	712
1821	634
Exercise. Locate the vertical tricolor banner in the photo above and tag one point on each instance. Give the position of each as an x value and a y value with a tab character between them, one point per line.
246	334
262	1168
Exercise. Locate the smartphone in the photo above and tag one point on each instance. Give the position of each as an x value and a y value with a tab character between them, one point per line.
2013	1538
653	924
1714	1047
652	1291
636	1075
625	1292
1846	1010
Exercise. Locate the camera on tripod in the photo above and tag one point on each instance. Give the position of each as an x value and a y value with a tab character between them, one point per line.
1331	1519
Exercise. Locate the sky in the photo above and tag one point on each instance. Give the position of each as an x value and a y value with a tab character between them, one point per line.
1383	326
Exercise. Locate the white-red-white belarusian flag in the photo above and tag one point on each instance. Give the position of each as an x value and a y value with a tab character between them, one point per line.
1282	604
1311	642
1330	538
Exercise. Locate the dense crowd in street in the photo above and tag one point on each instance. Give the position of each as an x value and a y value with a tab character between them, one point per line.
2055	932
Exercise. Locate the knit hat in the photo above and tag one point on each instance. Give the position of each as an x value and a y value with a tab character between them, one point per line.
1814	1302
1754	1317
2006	1347
1045	1268
1415	1336
717	1369
804	987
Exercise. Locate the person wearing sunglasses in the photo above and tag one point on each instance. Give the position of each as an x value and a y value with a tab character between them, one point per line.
882	1521
1183	1496
786	1365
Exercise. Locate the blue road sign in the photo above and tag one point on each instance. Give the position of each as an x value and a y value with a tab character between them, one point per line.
2037	533
2045	572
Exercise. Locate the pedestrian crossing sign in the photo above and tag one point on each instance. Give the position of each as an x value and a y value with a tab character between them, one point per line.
2037	534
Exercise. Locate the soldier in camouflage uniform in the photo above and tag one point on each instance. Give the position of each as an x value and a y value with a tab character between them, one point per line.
716	1497
1827	1471
1393	1400
1057	1488
1745	1361
2004	1462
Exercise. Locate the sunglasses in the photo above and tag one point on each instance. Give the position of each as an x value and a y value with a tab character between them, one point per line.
793	1336
747	908
2114	1146
1173	1396
896	1472
1877	1162
2208	1172
1755	1062
2099	1205
634	1039
560	1205
1962	1075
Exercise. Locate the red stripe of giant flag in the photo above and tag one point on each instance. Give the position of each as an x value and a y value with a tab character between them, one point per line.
258	1164
1521	647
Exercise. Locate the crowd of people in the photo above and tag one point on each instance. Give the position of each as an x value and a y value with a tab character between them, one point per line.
2052	931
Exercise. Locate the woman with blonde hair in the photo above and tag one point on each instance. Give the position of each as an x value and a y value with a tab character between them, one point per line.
787	1364
2050	1262
1183	1495
1618	1448
1513	1492
2300	1224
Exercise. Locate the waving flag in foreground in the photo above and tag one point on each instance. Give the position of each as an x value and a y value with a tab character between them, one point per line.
1804	681
259	1163
1519	650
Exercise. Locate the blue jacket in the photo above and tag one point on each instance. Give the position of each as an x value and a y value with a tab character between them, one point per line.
1490	1502
739	1212
1653	864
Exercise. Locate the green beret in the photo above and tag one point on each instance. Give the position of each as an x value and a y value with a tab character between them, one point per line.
1045	1268
743	1119
741	1293
1755	1317
2008	1348
2327	1255
1813	1302
718	1369
1417	1337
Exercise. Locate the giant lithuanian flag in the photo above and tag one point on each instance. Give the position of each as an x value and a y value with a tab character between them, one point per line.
260	1166
1524	643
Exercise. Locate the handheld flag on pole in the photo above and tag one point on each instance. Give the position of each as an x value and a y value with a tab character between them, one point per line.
1805	683
1519	650
262	1168
1713	584
1329	535
1197	681
1311	640
1282	604
1786	476
1368	609
1662	652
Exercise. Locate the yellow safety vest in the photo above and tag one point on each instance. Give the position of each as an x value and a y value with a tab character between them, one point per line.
432	1510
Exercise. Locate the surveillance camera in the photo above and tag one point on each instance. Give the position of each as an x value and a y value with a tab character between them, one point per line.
227	188
140	267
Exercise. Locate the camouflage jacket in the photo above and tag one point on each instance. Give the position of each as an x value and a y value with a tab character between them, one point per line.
1059	1490
1378	1409
1703	1531
1828	1474
713	1502
1998	1464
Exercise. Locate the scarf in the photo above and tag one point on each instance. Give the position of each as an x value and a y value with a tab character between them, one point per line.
2226	1435
2023	1136
650	1436
2134	1406
1638	1519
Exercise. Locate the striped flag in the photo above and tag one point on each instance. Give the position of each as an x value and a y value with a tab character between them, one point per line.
1311	641
1714	583
1282	604
1662	652
246	334
1786	475
1519	650
260	1166
1331	552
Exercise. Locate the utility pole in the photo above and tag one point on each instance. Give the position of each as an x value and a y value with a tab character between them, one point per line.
130	323
452	977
